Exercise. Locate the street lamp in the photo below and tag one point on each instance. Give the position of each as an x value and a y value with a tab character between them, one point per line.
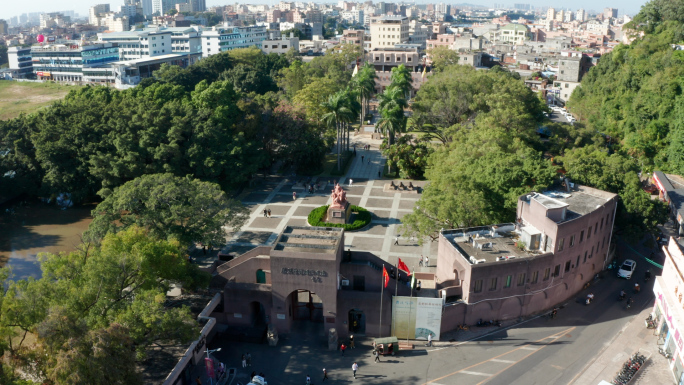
212	361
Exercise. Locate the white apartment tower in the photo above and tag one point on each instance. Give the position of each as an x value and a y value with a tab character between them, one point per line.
95	12
551	14
386	31
581	15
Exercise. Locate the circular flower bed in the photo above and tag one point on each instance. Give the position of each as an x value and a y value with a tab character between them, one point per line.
360	218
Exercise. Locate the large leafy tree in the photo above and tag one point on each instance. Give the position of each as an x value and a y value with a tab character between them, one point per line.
182	208
95	311
442	57
409	155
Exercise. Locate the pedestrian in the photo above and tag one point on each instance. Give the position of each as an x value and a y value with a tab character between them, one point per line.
377	355
351	181
244	361
427	261
325	375
343	348
418	286
265	213
308	380
379	174
396	240
362	158
294	195
198	381
269	213
249	359
420	263
351	340
429	339
355	367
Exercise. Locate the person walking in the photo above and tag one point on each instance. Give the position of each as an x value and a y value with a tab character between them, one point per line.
249	359
308	380
343	348
429	340
351	181
294	195
269	213
396	240
355	367
351	341
362	159
377	355
420	263
325	375
244	361
265	212
427	261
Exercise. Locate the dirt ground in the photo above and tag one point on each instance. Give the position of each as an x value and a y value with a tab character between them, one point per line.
17	98
38	228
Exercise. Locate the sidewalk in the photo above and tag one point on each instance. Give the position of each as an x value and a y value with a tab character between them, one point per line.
632	338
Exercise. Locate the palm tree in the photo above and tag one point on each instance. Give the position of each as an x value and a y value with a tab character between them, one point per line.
391	107
337	112
401	78
364	84
354	108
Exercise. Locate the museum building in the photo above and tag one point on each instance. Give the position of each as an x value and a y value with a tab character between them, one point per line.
559	241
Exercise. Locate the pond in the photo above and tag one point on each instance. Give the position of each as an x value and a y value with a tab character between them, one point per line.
38	228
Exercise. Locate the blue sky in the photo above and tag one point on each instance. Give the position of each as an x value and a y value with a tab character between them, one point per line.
11	8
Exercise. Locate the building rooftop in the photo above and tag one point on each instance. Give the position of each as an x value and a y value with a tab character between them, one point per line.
487	244
581	200
317	240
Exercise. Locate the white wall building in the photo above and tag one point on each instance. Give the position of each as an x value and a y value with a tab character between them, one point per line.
280	45
226	38
668	310
386	31
153	42
95	12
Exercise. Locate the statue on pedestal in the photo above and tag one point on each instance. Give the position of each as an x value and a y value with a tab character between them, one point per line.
339	197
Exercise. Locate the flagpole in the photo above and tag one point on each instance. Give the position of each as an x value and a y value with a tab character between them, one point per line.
408	324
382	290
396	280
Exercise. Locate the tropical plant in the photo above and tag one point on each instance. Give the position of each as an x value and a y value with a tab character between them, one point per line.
338	111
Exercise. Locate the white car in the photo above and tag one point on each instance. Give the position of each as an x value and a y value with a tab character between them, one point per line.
626	269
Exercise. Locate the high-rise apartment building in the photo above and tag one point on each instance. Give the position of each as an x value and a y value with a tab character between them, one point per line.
95	13
386	31
162	6
198	5
610	12
551	14
581	15
560	15
4	29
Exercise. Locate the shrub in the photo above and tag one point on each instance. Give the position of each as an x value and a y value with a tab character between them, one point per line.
362	218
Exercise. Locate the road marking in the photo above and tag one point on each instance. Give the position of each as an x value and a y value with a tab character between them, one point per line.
502	361
555	337
476	373
529	347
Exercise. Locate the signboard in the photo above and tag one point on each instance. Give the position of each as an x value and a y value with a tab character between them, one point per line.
51	39
210	367
415	318
668	314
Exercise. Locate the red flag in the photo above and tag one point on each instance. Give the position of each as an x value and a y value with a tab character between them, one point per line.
385	276
402	266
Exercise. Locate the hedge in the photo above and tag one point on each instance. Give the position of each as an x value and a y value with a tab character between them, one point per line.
361	219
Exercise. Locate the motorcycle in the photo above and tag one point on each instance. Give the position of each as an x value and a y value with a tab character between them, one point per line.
629	303
622	295
647	275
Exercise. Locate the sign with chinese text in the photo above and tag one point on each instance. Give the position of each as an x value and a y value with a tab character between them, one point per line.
416	318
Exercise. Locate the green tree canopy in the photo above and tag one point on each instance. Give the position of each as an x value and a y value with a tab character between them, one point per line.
182	208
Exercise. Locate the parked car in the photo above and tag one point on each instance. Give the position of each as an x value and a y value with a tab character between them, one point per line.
626	269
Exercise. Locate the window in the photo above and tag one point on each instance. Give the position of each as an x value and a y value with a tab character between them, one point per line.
592	252
567	266
521	279
547	271
589	233
508	281
556	271
572	241
604	242
581	236
561	243
492	283
595	228
478	286
601	223
535	277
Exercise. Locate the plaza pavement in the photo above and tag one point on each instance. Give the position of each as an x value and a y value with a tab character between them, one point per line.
366	190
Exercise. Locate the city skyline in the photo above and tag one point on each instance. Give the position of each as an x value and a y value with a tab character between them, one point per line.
81	6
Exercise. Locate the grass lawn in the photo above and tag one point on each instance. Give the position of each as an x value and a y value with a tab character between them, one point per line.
25	97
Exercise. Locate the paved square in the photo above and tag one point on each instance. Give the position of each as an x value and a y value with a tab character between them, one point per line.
318	200
277	209
297	222
303	211
379	203
376	229
407	204
265	223
367	243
